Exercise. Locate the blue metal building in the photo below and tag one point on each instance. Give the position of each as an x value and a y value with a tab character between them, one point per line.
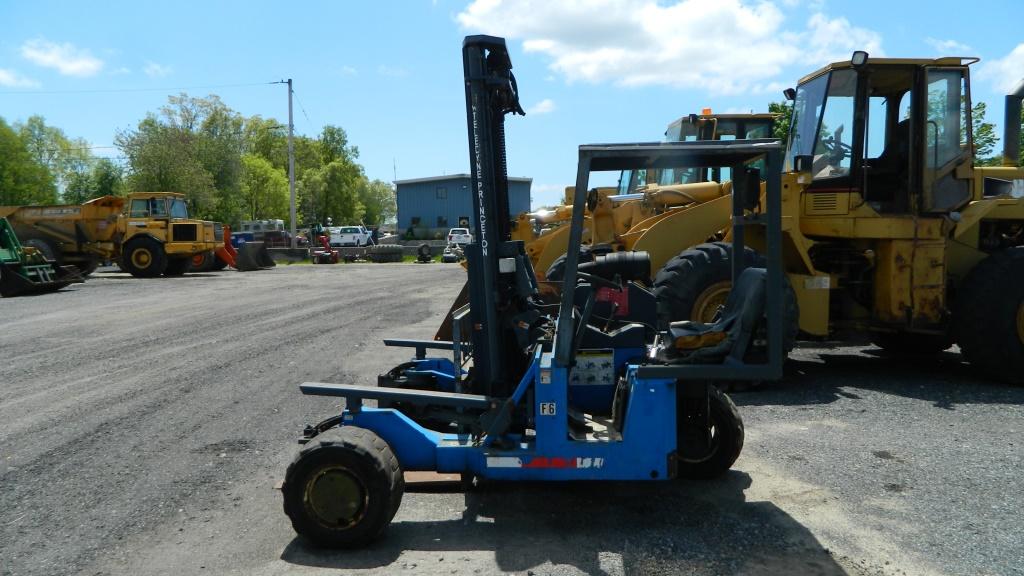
430	206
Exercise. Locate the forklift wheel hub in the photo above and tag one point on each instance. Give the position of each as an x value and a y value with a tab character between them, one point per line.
336	498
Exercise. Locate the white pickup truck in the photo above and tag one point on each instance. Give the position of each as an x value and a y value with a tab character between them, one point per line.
459	236
350	236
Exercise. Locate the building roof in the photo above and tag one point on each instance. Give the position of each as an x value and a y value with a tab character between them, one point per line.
452	177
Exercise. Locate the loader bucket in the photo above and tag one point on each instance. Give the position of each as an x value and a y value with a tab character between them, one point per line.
18	279
253	256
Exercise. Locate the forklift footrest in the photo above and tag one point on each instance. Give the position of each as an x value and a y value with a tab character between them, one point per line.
431	397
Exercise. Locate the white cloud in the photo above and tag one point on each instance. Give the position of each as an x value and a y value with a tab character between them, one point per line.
545	106
154	70
547	195
121	71
724	46
836	39
65	58
947	47
1004	73
392	71
12	79
348	70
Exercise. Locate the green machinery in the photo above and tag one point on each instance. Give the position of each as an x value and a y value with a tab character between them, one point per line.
25	270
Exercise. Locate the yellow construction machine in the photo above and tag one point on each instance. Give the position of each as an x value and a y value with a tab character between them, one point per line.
890	231
150	233
660	212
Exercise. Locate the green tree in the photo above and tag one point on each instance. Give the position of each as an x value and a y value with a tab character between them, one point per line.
193	146
334	145
378	198
984	133
23	179
780	128
107	178
264	189
332	192
67	159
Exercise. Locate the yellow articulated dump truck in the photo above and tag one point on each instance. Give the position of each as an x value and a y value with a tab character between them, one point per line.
148	233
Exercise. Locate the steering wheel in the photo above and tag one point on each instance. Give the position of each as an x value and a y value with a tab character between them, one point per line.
836	150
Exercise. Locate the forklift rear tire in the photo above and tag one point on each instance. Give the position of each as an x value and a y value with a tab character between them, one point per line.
144	258
177	266
726	440
989	316
343	488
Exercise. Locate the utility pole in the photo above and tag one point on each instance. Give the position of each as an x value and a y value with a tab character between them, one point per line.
291	164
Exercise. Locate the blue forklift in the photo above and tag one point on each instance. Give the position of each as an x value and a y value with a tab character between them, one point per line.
528	391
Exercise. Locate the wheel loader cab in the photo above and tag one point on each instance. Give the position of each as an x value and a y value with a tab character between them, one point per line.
700	127
891	132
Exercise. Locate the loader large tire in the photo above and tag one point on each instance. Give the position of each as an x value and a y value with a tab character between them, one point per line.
343	489
144	257
989	316
694	284
726	440
177	266
48	248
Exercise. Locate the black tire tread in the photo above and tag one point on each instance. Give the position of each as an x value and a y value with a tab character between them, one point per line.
984	316
725	414
157	249
367	444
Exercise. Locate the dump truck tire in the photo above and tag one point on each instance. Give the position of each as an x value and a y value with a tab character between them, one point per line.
88	267
343	488
988	316
204	261
910	344
144	258
177	266
48	248
693	285
726	440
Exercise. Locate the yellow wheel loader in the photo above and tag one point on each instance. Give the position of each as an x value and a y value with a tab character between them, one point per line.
660	212
890	232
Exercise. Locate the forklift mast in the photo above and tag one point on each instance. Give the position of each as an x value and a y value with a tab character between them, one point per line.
501	279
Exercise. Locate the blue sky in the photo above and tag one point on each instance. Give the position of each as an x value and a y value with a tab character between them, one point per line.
390	72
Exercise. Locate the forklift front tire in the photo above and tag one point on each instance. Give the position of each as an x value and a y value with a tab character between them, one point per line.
343	489
726	440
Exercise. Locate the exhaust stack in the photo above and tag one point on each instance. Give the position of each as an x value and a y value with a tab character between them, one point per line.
1011	126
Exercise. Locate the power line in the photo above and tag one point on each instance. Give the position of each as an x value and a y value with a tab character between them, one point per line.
119	90
303	108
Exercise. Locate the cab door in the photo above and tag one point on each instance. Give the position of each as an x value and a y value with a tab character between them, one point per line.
947	139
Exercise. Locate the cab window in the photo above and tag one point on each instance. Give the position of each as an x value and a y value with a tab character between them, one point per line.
158	207
139	209
178	208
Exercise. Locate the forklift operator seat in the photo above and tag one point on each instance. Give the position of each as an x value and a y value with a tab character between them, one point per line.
732	331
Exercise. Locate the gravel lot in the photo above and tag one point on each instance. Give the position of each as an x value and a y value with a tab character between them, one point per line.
145	424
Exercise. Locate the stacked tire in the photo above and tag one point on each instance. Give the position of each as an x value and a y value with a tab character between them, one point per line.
385	253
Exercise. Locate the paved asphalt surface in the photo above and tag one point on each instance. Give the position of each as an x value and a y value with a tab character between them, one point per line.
145	423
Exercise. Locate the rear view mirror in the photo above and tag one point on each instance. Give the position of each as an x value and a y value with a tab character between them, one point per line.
790	94
802	163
